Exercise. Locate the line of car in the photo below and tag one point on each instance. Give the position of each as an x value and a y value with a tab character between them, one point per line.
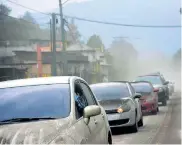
67	110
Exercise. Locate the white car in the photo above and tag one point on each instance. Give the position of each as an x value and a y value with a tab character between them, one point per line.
121	103
54	110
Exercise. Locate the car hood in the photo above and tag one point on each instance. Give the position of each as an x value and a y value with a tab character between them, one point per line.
157	86
37	132
111	104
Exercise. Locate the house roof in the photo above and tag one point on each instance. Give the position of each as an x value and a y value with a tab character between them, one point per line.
80	47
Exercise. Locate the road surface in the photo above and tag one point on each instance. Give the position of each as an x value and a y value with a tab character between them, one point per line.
163	128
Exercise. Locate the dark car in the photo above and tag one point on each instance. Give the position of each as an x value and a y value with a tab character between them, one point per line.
121	103
149	99
158	82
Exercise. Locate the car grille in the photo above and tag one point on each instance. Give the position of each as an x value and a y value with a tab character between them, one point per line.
143	108
111	111
118	122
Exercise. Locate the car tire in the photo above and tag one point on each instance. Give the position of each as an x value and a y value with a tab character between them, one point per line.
164	102
134	128
157	109
140	123
154	112
109	139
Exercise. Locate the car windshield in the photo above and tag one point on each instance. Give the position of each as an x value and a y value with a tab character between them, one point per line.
110	91
143	88
152	79
35	102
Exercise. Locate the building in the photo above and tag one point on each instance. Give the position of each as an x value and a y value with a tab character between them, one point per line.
98	66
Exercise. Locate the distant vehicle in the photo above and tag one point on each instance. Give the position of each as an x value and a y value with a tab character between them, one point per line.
158	83
149	96
121	103
54	110
171	87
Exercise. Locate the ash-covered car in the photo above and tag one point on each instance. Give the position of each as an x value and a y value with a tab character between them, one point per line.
54	110
158	82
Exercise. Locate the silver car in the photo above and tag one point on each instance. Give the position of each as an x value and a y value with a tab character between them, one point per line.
55	110
121	103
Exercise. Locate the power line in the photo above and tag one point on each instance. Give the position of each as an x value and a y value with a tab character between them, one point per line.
102	22
125	25
65	2
27	7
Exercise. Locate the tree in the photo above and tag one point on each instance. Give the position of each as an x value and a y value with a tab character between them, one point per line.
4	10
124	59
28	17
177	60
95	42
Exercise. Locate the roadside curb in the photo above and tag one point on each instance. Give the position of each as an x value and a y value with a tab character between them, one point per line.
160	131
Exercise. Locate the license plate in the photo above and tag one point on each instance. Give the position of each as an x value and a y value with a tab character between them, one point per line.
113	117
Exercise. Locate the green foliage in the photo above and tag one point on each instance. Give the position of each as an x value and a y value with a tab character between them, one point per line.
28	17
95	42
4	10
124	59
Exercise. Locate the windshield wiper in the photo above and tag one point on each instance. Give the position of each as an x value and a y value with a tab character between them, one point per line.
26	119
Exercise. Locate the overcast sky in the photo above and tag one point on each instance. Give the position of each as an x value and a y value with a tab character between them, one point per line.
145	12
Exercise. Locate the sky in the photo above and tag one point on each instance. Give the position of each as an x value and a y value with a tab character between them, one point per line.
143	12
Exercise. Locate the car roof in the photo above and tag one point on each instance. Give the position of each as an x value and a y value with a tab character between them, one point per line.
108	83
140	82
36	81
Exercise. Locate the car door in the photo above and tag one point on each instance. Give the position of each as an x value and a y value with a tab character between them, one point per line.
82	133
99	129
137	102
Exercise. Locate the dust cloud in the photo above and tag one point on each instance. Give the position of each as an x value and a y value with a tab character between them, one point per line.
154	62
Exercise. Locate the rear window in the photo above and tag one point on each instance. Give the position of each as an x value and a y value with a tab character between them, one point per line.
110	91
152	79
35	102
143	88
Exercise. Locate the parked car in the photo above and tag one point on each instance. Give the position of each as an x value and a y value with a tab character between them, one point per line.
54	110
158	83
121	103
149	97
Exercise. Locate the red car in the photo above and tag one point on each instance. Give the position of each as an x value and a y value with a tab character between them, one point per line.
149	99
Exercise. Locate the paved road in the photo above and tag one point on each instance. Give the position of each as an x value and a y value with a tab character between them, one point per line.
163	128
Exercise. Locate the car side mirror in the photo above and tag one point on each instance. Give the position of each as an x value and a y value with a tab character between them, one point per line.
167	82
137	96
156	90
90	111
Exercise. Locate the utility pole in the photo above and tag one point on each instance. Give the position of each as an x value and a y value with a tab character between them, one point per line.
54	70
62	25
65	67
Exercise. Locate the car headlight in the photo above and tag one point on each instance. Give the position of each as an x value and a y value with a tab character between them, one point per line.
125	107
160	89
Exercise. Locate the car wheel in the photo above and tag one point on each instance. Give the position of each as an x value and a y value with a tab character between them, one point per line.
157	109
140	123
154	112
109	139
134	128
164	102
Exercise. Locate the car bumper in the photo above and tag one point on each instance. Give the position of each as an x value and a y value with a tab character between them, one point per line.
161	96
148	107
121	119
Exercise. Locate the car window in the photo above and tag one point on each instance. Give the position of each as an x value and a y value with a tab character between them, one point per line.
35	101
152	79
110	91
88	94
143	88
132	89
